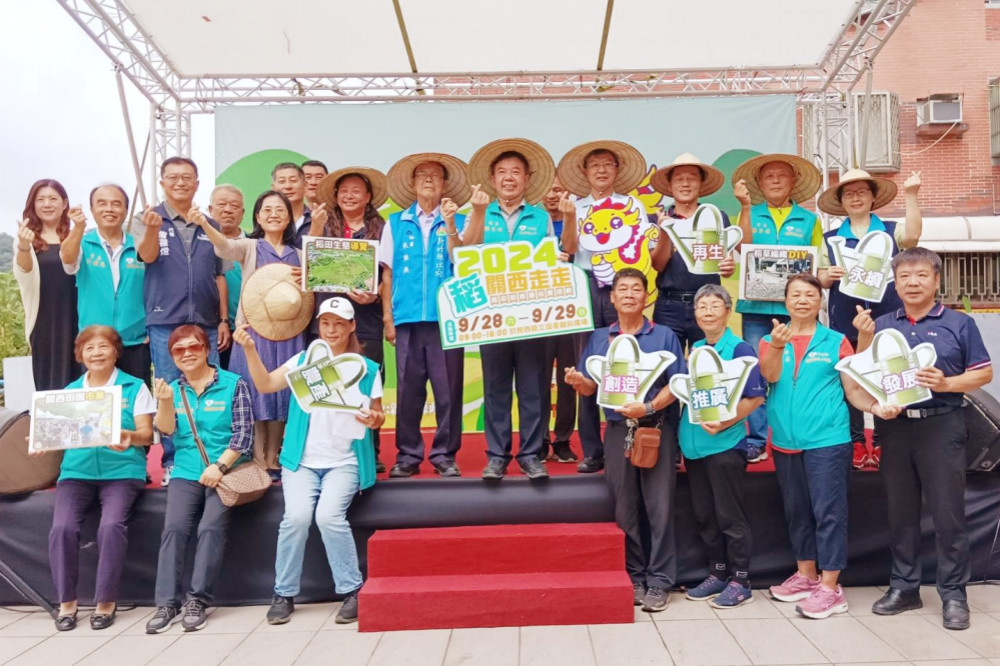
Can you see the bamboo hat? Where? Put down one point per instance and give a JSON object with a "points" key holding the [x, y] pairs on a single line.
{"points": [[712, 178], [540, 166], [631, 167], [807, 183], [325, 192], [274, 304], [456, 184], [884, 190]]}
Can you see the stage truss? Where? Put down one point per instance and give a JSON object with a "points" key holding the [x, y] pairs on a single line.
{"points": [[825, 86]]}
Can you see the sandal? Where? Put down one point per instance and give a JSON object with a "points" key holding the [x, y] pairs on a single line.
{"points": [[66, 622], [100, 621]]}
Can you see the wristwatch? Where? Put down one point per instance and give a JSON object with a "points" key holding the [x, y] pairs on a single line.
{"points": [[223, 467], [649, 409]]}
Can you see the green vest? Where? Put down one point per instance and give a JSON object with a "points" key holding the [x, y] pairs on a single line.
{"points": [[297, 428], [99, 463], [694, 441], [213, 414], [98, 302], [532, 225]]}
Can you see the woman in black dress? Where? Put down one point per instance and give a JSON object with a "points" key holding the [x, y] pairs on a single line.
{"points": [[47, 292]]}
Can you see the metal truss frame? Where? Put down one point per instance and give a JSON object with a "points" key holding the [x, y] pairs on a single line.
{"points": [[174, 97]]}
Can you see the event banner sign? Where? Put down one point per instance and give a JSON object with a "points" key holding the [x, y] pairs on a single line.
{"points": [[512, 291], [626, 373], [326, 381], [888, 368], [765, 269], [714, 387], [75, 418], [339, 264], [868, 266], [702, 240]]}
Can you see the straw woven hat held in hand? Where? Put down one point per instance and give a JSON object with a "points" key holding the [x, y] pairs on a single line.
{"points": [[884, 190], [540, 166], [274, 304], [713, 179], [806, 185], [631, 167], [326, 191], [456, 185]]}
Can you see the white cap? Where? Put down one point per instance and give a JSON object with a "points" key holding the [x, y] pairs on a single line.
{"points": [[337, 306]]}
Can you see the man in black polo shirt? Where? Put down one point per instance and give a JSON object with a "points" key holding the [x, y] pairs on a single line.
{"points": [[923, 449]]}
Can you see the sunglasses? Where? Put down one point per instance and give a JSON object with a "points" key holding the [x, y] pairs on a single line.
{"points": [[178, 350]]}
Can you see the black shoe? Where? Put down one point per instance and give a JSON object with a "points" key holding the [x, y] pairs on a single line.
{"points": [[100, 621], [447, 468], [275, 475], [281, 610], [656, 599], [66, 622], [379, 467], [403, 470], [162, 619], [563, 453], [533, 468], [896, 601], [495, 469], [348, 610], [194, 614], [590, 465], [638, 593], [955, 614]]}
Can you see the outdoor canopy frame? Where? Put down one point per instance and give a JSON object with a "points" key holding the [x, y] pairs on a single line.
{"points": [[174, 97]]}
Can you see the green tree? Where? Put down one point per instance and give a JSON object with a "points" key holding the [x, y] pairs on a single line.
{"points": [[12, 342], [6, 252]]}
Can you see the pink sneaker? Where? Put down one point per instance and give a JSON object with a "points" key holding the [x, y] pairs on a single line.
{"points": [[823, 603], [795, 588]]}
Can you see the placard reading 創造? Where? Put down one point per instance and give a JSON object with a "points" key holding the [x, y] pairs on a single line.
{"points": [[512, 291]]}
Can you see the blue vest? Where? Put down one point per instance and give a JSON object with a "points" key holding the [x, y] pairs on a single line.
{"points": [[99, 463], [694, 441], [796, 230], [213, 414], [842, 308], [181, 289], [98, 302], [809, 411], [417, 272], [294, 444], [532, 225]]}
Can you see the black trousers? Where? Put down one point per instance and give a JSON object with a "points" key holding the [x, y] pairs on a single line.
{"points": [[563, 351], [644, 504], [717, 500], [136, 361], [373, 349], [588, 419], [926, 458]]}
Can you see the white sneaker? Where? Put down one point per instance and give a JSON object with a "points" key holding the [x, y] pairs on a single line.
{"points": [[167, 471]]}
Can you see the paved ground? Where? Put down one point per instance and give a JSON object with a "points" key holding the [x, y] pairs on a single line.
{"points": [[687, 633]]}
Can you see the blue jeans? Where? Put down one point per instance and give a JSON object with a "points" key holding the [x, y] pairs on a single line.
{"points": [[755, 327], [814, 491], [327, 494], [164, 368]]}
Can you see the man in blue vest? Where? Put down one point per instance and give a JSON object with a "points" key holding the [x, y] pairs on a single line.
{"points": [[226, 207], [516, 180], [110, 277], [415, 253], [184, 279], [769, 189]]}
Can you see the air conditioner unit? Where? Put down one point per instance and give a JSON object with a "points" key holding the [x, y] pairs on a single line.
{"points": [[939, 110], [882, 149]]}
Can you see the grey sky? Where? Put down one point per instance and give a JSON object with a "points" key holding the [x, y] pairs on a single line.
{"points": [[61, 118]]}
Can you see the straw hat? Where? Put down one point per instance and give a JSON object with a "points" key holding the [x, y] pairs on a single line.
{"points": [[808, 183], [325, 191], [400, 178], [274, 304], [712, 181], [540, 166], [631, 167], [885, 191]]}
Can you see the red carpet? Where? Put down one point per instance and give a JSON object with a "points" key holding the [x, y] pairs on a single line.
{"points": [[538, 575]]}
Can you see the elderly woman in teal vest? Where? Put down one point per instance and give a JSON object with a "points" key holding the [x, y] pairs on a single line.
{"points": [[811, 440], [323, 466], [112, 475], [214, 406], [715, 453], [774, 185], [518, 172]]}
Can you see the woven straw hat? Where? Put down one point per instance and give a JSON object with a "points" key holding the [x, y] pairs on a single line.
{"points": [[713, 178], [808, 182], [885, 191], [274, 304], [631, 167], [540, 166], [325, 191], [400, 178]]}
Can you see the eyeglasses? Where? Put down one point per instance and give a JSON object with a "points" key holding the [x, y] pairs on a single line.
{"points": [[174, 178], [428, 175], [855, 194], [178, 350]]}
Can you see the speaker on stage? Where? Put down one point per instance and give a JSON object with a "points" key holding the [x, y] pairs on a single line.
{"points": [[982, 422], [19, 472]]}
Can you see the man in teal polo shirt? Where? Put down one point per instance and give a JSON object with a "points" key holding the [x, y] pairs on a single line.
{"points": [[769, 189], [226, 207], [109, 277], [518, 171]]}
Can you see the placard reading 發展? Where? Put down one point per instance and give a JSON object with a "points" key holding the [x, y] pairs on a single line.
{"points": [[512, 291], [339, 265], [75, 418]]}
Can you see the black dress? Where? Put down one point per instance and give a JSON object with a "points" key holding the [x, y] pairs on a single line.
{"points": [[52, 361]]}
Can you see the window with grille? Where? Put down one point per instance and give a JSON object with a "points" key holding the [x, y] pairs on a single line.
{"points": [[972, 275]]}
